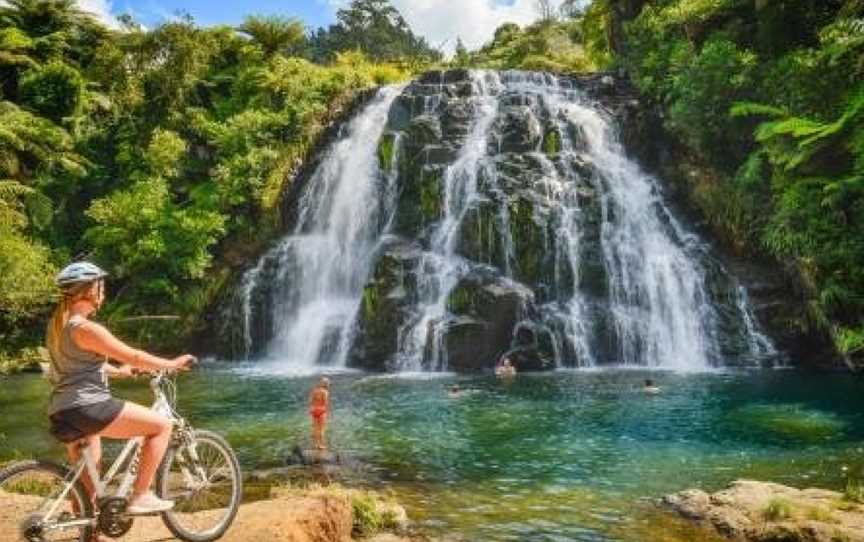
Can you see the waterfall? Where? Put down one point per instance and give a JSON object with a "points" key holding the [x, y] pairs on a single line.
{"points": [[661, 311], [440, 268], [507, 221], [321, 267]]}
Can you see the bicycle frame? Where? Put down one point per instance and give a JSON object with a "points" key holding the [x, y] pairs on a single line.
{"points": [[100, 484]]}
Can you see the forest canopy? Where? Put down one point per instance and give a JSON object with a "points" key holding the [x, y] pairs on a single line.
{"points": [[161, 154]]}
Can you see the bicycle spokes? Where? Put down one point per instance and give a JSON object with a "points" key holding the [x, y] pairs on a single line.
{"points": [[39, 505]]}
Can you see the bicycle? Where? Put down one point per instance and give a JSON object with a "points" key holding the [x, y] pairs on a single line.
{"points": [[43, 501]]}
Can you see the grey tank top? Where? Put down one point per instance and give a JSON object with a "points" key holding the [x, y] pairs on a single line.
{"points": [[78, 376]]}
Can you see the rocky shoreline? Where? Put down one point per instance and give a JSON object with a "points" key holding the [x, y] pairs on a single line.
{"points": [[314, 514], [766, 512]]}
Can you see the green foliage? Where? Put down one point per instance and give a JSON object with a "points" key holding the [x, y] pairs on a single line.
{"points": [[371, 514], [160, 154], [461, 58], [777, 510], [549, 46], [850, 341], [29, 143], [275, 34], [54, 91], [818, 175], [375, 28], [145, 234], [854, 491], [702, 90], [769, 95], [28, 278], [595, 35]]}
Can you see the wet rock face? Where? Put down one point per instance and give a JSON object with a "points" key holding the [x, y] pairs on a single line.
{"points": [[386, 304], [525, 236], [509, 231], [507, 237], [519, 129]]}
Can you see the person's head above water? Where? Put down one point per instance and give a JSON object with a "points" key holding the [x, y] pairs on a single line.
{"points": [[649, 383], [507, 362], [324, 382]]}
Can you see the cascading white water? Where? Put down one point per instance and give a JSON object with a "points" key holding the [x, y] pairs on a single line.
{"points": [[440, 268], [758, 344], [658, 301], [620, 279], [661, 313], [322, 266]]}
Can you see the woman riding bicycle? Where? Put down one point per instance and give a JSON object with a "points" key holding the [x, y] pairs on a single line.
{"points": [[82, 408]]}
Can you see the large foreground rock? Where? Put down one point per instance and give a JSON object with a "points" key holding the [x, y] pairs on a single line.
{"points": [[291, 517], [763, 512]]}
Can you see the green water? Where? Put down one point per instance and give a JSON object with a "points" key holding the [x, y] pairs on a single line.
{"points": [[562, 456]]}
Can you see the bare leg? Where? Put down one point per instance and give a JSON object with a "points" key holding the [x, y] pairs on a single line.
{"points": [[94, 448], [323, 431], [315, 432], [136, 421]]}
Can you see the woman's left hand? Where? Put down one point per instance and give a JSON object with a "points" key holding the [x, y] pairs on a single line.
{"points": [[123, 371]]}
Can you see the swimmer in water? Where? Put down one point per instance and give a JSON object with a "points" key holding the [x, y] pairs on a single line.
{"points": [[650, 388]]}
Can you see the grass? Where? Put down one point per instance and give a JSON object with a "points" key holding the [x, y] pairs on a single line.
{"points": [[854, 491], [777, 510], [820, 513], [371, 511], [29, 486]]}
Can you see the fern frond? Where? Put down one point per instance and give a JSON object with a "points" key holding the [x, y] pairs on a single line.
{"points": [[751, 109]]}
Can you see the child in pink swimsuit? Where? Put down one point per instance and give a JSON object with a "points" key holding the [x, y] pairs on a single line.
{"points": [[319, 404]]}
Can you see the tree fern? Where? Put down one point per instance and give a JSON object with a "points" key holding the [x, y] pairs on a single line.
{"points": [[12, 195]]}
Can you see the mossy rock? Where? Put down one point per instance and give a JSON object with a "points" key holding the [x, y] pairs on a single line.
{"points": [[486, 309], [386, 151], [423, 130], [401, 111], [420, 199], [480, 235], [386, 297], [456, 120], [431, 194], [528, 230], [519, 130], [552, 142]]}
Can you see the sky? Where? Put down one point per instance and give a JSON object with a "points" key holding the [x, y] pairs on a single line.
{"points": [[439, 21]]}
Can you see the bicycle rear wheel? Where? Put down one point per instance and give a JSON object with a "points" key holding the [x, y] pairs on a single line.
{"points": [[28, 489], [204, 481]]}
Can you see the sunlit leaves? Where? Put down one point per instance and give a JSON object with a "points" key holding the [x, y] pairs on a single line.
{"points": [[54, 91], [28, 274], [275, 34]]}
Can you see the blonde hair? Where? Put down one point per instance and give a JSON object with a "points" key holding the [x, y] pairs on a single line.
{"points": [[58, 321]]}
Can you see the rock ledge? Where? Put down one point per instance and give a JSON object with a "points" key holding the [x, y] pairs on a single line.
{"points": [[762, 511]]}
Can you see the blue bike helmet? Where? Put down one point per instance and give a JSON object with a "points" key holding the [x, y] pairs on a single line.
{"points": [[79, 273]]}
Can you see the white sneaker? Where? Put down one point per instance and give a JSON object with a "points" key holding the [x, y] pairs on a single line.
{"points": [[148, 503]]}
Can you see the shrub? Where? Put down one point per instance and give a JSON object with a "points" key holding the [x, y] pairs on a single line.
{"points": [[777, 510], [54, 90]]}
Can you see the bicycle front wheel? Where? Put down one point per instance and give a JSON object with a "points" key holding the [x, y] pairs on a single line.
{"points": [[204, 481], [31, 509]]}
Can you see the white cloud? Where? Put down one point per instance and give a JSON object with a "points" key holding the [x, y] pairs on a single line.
{"points": [[475, 21], [102, 10]]}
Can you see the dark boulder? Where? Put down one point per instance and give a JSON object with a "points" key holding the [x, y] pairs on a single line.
{"points": [[386, 299], [519, 130], [485, 309]]}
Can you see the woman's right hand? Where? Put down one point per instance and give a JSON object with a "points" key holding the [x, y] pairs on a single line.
{"points": [[183, 363]]}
